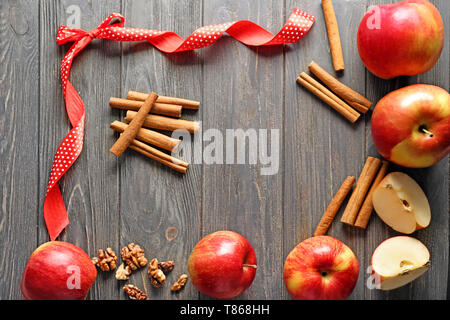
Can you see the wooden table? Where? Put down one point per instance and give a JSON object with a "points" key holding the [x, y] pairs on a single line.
{"points": [[112, 202]]}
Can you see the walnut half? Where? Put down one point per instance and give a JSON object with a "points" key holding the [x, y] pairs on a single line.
{"points": [[134, 256], [123, 272], [156, 275], [134, 292], [177, 286], [105, 260], [166, 266]]}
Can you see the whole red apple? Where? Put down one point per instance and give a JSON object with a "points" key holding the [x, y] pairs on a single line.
{"points": [[222, 265], [411, 125], [321, 268], [58, 270], [404, 38]]}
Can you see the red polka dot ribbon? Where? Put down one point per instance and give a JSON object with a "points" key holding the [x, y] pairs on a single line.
{"points": [[247, 32]]}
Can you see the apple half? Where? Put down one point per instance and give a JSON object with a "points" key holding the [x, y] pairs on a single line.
{"points": [[399, 260], [401, 203]]}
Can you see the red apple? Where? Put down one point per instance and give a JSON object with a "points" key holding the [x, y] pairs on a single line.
{"points": [[321, 268], [411, 125], [58, 270], [222, 265], [404, 38]]}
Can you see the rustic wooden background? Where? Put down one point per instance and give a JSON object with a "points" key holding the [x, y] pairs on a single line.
{"points": [[114, 201]]}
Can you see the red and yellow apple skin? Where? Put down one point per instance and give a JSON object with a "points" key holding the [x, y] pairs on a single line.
{"points": [[404, 38], [49, 269], [411, 125], [321, 268], [222, 265]]}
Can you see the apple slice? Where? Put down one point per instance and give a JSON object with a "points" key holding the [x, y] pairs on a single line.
{"points": [[401, 203], [398, 261]]}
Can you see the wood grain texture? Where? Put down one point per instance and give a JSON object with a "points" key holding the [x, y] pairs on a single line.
{"points": [[90, 187], [160, 208], [321, 147], [19, 153], [112, 202], [234, 78]]}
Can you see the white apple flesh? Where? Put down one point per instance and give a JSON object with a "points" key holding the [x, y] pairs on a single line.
{"points": [[401, 203], [398, 261]]}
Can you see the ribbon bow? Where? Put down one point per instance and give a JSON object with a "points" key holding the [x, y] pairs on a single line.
{"points": [[247, 32], [68, 34]]}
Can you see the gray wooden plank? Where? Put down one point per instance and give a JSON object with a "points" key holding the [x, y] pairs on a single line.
{"points": [[19, 154], [90, 187], [243, 89], [321, 147], [161, 209], [168, 213], [348, 145], [433, 180]]}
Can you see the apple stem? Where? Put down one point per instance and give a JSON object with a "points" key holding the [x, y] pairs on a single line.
{"points": [[424, 130], [250, 265]]}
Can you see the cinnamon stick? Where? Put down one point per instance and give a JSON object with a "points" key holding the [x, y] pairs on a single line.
{"points": [[164, 123], [161, 157], [334, 206], [352, 97], [171, 165], [171, 110], [149, 136], [333, 35], [351, 114], [131, 131], [159, 154], [362, 185], [367, 207], [328, 97], [187, 104]]}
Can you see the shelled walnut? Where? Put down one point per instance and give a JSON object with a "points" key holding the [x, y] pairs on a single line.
{"points": [[156, 275], [123, 272], [166, 266], [134, 292], [105, 260], [180, 283], [134, 256]]}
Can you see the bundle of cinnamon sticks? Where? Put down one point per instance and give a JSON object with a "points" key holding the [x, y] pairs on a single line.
{"points": [[340, 97], [151, 111], [359, 207]]}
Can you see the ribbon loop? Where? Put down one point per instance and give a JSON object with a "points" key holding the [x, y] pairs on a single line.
{"points": [[111, 17], [68, 34]]}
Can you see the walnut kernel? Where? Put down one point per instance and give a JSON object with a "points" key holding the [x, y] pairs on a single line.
{"points": [[166, 266], [156, 275], [123, 272], [134, 292], [134, 256], [180, 283], [105, 260]]}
